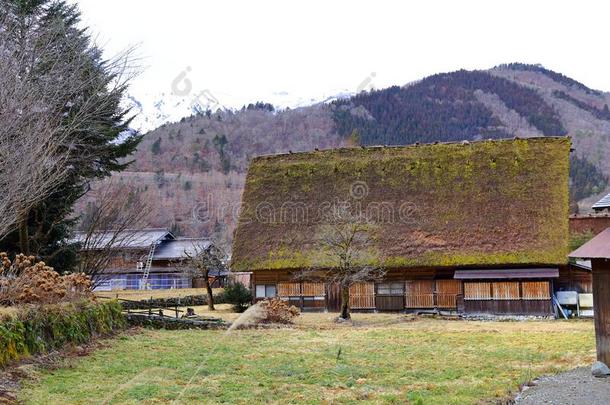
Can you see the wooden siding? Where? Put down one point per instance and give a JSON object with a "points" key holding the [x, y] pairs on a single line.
{"points": [[286, 289], [601, 303], [313, 289], [477, 291], [572, 278], [447, 292], [509, 307], [505, 290], [421, 291], [419, 294], [362, 296], [536, 290], [333, 297]]}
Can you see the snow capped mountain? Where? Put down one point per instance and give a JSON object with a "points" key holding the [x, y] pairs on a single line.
{"points": [[154, 110]]}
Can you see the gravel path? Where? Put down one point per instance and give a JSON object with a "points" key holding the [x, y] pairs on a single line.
{"points": [[576, 387]]}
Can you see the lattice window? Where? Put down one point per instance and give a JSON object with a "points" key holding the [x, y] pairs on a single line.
{"points": [[536, 290], [506, 290], [477, 291], [419, 294], [313, 289], [286, 289], [362, 295]]}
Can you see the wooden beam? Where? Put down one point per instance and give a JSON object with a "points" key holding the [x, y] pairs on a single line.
{"points": [[601, 307]]}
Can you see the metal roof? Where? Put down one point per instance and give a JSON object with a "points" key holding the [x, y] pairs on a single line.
{"points": [[596, 248], [178, 248], [603, 203], [506, 273], [128, 239]]}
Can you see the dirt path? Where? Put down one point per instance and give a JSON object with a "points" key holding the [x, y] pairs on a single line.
{"points": [[576, 387]]}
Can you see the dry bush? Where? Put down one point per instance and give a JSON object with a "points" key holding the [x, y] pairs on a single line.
{"points": [[264, 312], [26, 281], [278, 311]]}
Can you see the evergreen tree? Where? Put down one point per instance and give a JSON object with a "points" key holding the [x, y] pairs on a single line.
{"points": [[96, 149]]}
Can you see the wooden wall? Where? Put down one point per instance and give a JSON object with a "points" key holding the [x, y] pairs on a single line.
{"points": [[525, 297], [594, 223], [421, 289], [572, 278], [601, 303], [509, 307]]}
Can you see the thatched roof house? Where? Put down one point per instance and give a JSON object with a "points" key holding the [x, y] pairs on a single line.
{"points": [[486, 204]]}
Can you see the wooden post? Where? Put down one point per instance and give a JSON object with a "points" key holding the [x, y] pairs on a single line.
{"points": [[601, 308]]}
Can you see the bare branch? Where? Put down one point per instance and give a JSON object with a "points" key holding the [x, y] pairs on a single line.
{"points": [[110, 222]]}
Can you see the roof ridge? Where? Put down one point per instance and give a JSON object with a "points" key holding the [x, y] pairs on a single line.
{"points": [[412, 145]]}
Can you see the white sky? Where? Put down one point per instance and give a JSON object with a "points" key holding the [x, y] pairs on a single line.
{"points": [[245, 50]]}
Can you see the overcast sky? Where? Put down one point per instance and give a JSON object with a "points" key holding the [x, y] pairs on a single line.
{"points": [[246, 50]]}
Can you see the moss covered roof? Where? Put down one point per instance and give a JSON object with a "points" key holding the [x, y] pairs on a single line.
{"points": [[485, 203]]}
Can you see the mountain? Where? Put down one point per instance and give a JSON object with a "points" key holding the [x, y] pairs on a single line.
{"points": [[153, 110], [192, 171]]}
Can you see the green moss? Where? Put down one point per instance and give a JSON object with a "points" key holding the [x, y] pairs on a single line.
{"points": [[489, 202]]}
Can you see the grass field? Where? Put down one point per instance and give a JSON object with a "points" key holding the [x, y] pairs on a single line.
{"points": [[381, 359]]}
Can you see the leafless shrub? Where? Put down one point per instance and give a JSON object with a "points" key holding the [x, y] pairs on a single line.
{"points": [[344, 241], [25, 281], [205, 259]]}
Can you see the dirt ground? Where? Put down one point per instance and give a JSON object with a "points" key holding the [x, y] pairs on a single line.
{"points": [[576, 386]]}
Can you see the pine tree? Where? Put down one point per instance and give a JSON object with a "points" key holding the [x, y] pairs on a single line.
{"points": [[96, 149]]}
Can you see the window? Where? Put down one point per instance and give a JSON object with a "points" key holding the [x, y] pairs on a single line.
{"points": [[390, 288], [477, 291], [265, 290], [536, 290], [506, 290]]}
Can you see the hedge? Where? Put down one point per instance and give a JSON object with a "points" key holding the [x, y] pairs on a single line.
{"points": [[40, 329]]}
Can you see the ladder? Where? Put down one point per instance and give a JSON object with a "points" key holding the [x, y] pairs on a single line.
{"points": [[144, 285]]}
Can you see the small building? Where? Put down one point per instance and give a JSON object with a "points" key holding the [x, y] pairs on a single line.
{"points": [[145, 259], [473, 227], [603, 204]]}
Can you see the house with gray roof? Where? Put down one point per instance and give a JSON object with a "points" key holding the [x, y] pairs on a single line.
{"points": [[603, 204], [144, 259]]}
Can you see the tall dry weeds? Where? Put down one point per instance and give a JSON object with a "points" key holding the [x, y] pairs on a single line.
{"points": [[251, 316], [274, 310]]}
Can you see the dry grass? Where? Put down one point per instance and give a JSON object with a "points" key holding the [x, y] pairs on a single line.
{"points": [[381, 358], [8, 310], [145, 294]]}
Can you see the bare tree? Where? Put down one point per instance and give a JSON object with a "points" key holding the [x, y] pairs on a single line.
{"points": [[345, 239], [206, 259], [109, 222], [49, 90]]}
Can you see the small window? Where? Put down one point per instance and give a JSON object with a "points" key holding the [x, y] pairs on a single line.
{"points": [[390, 289], [265, 290]]}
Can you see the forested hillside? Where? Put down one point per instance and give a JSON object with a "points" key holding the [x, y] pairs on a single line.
{"points": [[192, 172]]}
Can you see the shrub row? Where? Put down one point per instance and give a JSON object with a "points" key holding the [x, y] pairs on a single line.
{"points": [[40, 329], [189, 300]]}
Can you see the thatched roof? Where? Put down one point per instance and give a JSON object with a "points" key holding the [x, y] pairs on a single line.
{"points": [[485, 203]]}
